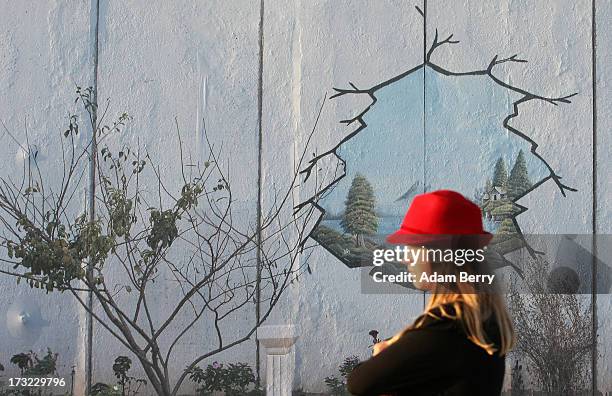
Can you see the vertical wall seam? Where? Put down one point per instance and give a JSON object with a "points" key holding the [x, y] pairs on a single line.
{"points": [[91, 203], [424, 91], [424, 108], [259, 182], [594, 192]]}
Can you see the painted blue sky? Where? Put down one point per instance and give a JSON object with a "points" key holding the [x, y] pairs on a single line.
{"points": [[464, 138]]}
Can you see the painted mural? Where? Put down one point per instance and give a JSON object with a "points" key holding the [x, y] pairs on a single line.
{"points": [[426, 129]]}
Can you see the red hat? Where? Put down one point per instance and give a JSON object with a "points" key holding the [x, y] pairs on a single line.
{"points": [[438, 216]]}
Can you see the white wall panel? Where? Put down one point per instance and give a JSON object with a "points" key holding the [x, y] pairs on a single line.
{"points": [[45, 52]]}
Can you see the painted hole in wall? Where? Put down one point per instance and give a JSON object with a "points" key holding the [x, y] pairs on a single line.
{"points": [[433, 128]]}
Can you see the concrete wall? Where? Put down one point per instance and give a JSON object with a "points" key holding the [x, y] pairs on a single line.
{"points": [[201, 60]]}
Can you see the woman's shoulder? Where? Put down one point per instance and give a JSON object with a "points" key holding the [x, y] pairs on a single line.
{"points": [[440, 316], [446, 317]]}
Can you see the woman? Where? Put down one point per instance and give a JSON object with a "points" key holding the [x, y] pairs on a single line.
{"points": [[458, 345]]}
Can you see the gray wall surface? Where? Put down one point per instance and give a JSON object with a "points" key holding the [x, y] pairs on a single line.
{"points": [[191, 61]]}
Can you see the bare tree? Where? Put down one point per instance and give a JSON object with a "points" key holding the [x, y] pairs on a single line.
{"points": [[553, 332], [143, 231]]}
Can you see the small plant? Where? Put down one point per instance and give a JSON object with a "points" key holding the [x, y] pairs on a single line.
{"points": [[22, 361], [518, 386], [121, 367], [234, 380], [30, 364], [1, 382], [337, 386], [126, 385], [101, 389]]}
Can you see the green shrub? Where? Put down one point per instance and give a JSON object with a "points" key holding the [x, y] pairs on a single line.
{"points": [[337, 386], [30, 364], [235, 379]]}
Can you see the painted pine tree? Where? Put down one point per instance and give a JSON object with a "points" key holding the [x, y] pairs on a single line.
{"points": [[500, 174], [519, 181], [360, 217]]}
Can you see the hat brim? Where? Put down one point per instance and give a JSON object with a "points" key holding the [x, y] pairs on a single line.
{"points": [[405, 237]]}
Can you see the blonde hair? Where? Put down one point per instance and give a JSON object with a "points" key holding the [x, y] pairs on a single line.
{"points": [[471, 304]]}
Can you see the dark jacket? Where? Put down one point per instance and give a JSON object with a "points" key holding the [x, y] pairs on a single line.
{"points": [[436, 359]]}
